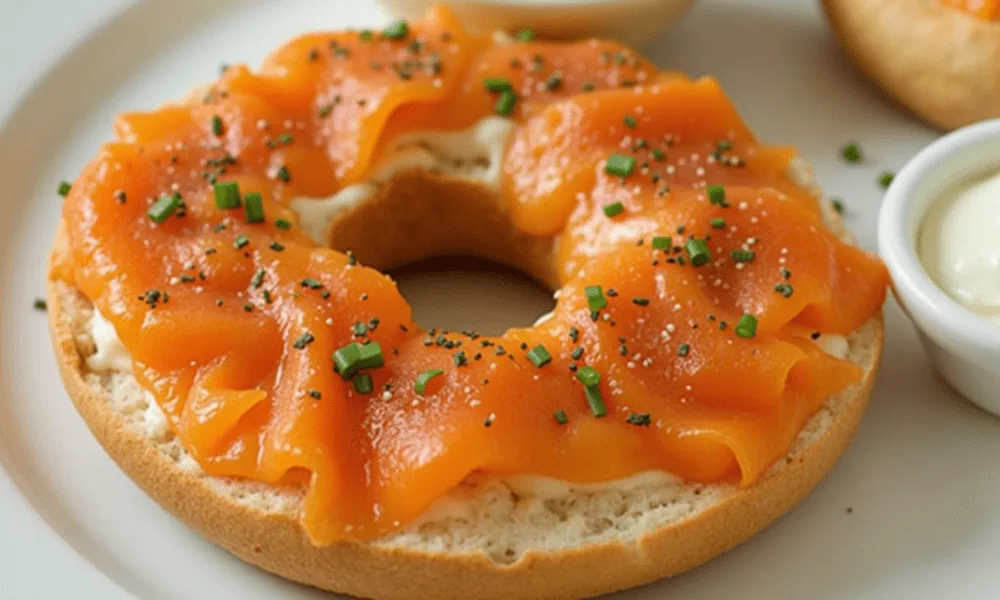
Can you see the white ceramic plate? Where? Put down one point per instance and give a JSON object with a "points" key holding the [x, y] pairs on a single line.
{"points": [[911, 511]]}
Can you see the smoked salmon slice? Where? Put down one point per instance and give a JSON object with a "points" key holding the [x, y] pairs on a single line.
{"points": [[695, 276]]}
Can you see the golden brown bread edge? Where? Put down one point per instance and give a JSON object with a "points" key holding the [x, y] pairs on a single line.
{"points": [[938, 61], [276, 542]]}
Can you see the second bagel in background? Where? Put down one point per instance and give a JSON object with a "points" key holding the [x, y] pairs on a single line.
{"points": [[938, 58]]}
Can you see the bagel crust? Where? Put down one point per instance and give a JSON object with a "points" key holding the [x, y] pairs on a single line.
{"points": [[938, 61], [414, 565]]}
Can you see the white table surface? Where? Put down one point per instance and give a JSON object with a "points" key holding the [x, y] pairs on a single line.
{"points": [[946, 506]]}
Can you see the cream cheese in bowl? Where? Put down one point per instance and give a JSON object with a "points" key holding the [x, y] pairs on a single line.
{"points": [[939, 235], [959, 245]]}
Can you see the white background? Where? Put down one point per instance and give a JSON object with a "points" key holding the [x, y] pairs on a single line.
{"points": [[921, 478]]}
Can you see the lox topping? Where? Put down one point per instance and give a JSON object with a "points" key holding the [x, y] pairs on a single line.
{"points": [[987, 10], [694, 274]]}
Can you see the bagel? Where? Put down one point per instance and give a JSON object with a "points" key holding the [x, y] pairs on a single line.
{"points": [[937, 60], [510, 526]]}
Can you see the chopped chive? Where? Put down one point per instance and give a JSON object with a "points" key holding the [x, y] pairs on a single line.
{"points": [[698, 252], [619, 165], [258, 278], [851, 153], [539, 356], [595, 297], [639, 419], [630, 121], [283, 224], [657, 154], [285, 139], [496, 84], [613, 209], [276, 246], [349, 359], [588, 376], [718, 223], [885, 179], [363, 383], [460, 359], [64, 188], [217, 127], [41, 304], [640, 301], [838, 205], [683, 350], [241, 242], [253, 207], [396, 31], [311, 284], [267, 296], [724, 145], [365, 35], [785, 289], [303, 340], [595, 401], [747, 326], [560, 417], [662, 242], [420, 385], [227, 195], [742, 256], [315, 394], [525, 34], [283, 174], [164, 207], [505, 103], [716, 194]]}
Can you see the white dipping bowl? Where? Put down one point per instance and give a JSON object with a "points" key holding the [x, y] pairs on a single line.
{"points": [[634, 22], [964, 347]]}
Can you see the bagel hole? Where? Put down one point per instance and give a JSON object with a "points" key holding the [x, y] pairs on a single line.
{"points": [[462, 293]]}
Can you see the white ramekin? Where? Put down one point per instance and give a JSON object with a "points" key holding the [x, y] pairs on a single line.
{"points": [[964, 347], [634, 22]]}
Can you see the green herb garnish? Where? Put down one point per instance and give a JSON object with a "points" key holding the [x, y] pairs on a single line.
{"points": [[639, 419], [496, 84], [351, 358], [595, 297], [227, 195], [698, 252], [505, 103], [420, 385], [164, 207], [851, 153], [396, 31], [613, 209], [253, 207], [747, 326], [363, 383], [619, 165], [539, 356]]}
